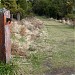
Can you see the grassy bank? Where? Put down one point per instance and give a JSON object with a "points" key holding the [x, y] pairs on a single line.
{"points": [[57, 43], [51, 53]]}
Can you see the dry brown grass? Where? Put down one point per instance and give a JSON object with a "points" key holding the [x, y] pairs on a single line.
{"points": [[23, 33]]}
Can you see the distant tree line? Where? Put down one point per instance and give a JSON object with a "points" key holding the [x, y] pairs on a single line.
{"points": [[54, 8], [17, 6], [50, 8]]}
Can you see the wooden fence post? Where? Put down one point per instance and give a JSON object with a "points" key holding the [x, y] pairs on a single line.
{"points": [[2, 39], [4, 49]]}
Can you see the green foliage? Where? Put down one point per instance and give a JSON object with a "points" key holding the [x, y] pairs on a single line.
{"points": [[49, 8], [23, 4], [8, 69], [0, 3], [29, 7], [70, 16], [39, 7], [11, 5], [17, 6], [53, 8]]}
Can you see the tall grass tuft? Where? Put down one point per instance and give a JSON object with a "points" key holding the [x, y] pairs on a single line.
{"points": [[8, 69]]}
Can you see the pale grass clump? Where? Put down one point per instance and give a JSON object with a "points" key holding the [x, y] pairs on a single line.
{"points": [[24, 34], [16, 27], [23, 31]]}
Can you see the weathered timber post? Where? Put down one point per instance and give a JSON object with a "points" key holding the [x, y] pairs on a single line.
{"points": [[5, 53], [2, 38], [18, 16]]}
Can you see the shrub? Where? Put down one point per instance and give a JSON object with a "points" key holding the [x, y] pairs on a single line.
{"points": [[8, 69], [70, 16]]}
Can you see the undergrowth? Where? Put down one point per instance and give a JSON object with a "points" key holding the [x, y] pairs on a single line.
{"points": [[8, 69]]}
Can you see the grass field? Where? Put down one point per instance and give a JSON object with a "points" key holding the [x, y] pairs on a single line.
{"points": [[53, 53], [61, 38], [57, 47]]}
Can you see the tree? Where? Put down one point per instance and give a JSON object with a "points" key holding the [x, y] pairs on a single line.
{"points": [[0, 3], [23, 4], [10, 5], [53, 8], [26, 6], [39, 6]]}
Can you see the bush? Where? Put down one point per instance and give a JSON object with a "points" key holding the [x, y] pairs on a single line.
{"points": [[70, 16], [7, 69]]}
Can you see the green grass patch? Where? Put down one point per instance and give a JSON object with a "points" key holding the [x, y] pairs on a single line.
{"points": [[62, 38], [8, 69]]}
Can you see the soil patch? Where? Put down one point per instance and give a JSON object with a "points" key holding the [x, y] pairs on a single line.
{"points": [[61, 71]]}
